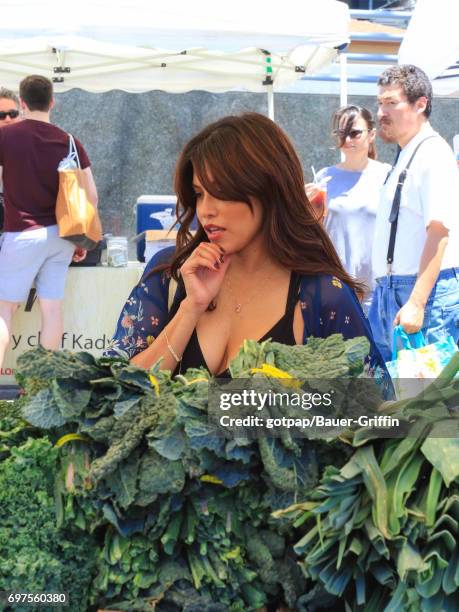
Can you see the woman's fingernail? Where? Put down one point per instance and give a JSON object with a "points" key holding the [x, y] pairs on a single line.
{"points": [[222, 249], [221, 258], [217, 264]]}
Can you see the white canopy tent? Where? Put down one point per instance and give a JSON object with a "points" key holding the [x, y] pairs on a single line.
{"points": [[137, 46], [432, 43]]}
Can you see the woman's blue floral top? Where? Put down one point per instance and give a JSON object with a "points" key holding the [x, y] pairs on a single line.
{"points": [[328, 306]]}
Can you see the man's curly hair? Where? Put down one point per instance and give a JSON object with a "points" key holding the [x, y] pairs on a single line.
{"points": [[413, 81]]}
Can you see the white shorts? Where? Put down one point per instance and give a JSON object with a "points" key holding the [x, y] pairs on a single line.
{"points": [[35, 256]]}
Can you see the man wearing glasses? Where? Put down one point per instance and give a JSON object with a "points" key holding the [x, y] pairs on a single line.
{"points": [[416, 244], [9, 113]]}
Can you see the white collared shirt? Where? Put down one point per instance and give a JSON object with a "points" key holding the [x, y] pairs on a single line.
{"points": [[430, 193]]}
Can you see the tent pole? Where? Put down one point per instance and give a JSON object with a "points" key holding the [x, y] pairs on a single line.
{"points": [[343, 79], [343, 84], [271, 102]]}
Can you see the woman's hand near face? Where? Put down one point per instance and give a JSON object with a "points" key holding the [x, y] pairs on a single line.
{"points": [[203, 274]]}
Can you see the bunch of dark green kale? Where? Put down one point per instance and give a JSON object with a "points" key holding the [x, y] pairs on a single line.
{"points": [[37, 553], [115, 485], [178, 515]]}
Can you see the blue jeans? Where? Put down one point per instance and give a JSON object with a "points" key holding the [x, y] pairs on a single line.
{"points": [[441, 317]]}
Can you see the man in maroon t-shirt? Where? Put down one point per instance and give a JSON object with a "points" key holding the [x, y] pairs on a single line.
{"points": [[31, 249]]}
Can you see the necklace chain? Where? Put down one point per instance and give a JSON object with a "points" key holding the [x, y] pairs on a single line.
{"points": [[239, 305]]}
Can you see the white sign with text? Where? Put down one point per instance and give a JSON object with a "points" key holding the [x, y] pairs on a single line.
{"points": [[93, 300]]}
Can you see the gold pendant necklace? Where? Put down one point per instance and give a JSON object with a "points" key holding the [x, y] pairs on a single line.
{"points": [[237, 304]]}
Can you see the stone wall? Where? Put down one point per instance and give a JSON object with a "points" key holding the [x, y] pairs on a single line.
{"points": [[133, 140]]}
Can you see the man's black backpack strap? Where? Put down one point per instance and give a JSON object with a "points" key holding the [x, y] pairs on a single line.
{"points": [[395, 209]]}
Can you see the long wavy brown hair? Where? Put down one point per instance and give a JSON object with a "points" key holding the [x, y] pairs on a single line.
{"points": [[249, 156]]}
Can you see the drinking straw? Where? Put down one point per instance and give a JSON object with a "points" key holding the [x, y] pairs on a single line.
{"points": [[322, 181]]}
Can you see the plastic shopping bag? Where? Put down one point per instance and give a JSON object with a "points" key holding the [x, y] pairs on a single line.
{"points": [[417, 360]]}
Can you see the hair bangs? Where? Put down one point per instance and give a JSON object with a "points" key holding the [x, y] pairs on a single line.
{"points": [[343, 122], [217, 169]]}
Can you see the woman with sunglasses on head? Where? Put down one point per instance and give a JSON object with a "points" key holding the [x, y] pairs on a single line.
{"points": [[259, 265], [353, 191]]}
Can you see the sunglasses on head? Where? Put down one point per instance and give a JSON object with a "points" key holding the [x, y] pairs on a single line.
{"points": [[11, 113], [352, 133]]}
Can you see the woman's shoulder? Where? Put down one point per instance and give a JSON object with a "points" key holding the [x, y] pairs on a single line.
{"points": [[323, 280], [326, 290], [160, 258], [156, 274], [324, 172], [375, 163], [378, 167]]}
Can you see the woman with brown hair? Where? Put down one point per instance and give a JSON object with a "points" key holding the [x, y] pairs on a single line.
{"points": [[353, 193], [259, 265]]}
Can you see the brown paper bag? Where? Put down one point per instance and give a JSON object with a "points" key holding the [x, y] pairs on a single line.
{"points": [[77, 217]]}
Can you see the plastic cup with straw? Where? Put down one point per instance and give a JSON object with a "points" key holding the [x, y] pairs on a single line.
{"points": [[317, 195]]}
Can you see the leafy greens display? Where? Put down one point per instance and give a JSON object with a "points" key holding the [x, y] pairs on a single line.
{"points": [[164, 512]]}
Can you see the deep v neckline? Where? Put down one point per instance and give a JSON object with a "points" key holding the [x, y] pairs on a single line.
{"points": [[281, 331]]}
